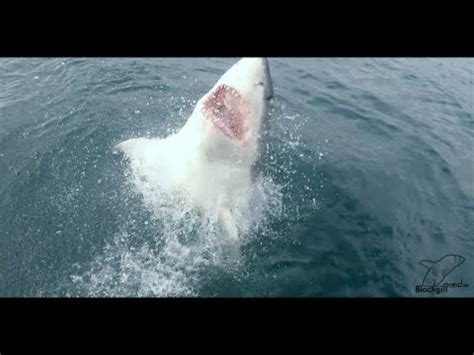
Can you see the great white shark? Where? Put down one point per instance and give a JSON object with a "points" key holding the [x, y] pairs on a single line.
{"points": [[214, 158]]}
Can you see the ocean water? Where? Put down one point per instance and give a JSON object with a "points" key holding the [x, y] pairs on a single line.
{"points": [[368, 172]]}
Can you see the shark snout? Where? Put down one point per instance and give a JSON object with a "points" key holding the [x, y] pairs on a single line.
{"points": [[248, 76], [261, 72]]}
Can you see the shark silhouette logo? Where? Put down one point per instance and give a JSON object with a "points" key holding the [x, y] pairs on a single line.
{"points": [[438, 270]]}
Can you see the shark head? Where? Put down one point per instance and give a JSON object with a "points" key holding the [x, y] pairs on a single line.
{"points": [[227, 120]]}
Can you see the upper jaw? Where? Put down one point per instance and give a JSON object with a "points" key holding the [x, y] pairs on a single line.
{"points": [[247, 75]]}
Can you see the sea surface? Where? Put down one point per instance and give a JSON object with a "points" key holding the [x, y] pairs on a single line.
{"points": [[368, 181]]}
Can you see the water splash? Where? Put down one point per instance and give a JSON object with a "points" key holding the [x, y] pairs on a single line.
{"points": [[187, 244]]}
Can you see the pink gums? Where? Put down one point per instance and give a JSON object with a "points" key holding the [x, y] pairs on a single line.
{"points": [[227, 111]]}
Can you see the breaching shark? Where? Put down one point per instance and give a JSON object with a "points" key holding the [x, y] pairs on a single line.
{"points": [[214, 158]]}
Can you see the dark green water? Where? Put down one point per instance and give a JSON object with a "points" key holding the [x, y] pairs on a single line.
{"points": [[371, 163]]}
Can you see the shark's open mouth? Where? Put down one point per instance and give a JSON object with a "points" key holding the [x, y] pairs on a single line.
{"points": [[227, 111]]}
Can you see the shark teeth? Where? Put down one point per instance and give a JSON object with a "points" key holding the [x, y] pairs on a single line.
{"points": [[226, 89], [228, 112]]}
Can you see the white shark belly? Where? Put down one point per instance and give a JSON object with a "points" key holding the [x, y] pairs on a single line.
{"points": [[218, 188]]}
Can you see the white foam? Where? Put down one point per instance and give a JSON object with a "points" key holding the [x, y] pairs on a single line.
{"points": [[187, 240]]}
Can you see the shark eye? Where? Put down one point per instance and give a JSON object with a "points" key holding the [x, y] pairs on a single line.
{"points": [[260, 83]]}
